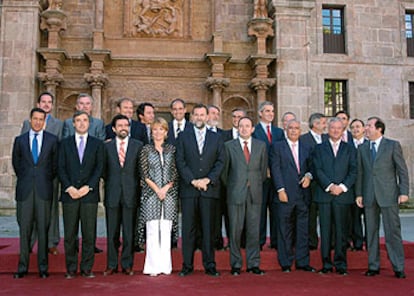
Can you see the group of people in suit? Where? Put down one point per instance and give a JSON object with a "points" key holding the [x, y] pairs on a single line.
{"points": [[241, 174]]}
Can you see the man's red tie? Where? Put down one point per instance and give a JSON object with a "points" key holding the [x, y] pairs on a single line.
{"points": [[246, 152], [121, 153], [269, 134]]}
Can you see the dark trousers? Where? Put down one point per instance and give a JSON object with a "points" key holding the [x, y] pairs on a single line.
{"points": [[313, 225], [268, 203], [31, 211], [116, 218], [191, 209], [293, 234], [221, 212], [357, 235], [85, 213], [245, 215], [338, 214]]}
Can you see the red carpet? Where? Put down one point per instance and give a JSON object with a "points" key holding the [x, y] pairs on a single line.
{"points": [[273, 282]]}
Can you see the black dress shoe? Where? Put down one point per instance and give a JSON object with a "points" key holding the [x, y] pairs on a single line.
{"points": [[87, 274], [399, 274], [127, 271], [325, 270], [19, 275], [342, 271], [139, 249], [97, 250], [286, 269], [235, 271], [110, 271], [185, 271], [312, 248], [44, 274], [255, 270], [212, 272], [371, 272], [306, 268], [70, 275]]}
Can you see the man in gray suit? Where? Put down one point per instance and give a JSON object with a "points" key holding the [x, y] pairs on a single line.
{"points": [[84, 102], [54, 126], [382, 185], [244, 173]]}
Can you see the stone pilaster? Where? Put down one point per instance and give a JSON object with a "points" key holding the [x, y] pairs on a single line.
{"points": [[97, 79], [261, 82]]}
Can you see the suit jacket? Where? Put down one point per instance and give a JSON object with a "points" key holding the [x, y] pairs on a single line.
{"points": [[96, 128], [122, 183], [227, 135], [260, 134], [171, 135], [385, 178], [37, 177], [137, 131], [53, 126], [74, 173], [329, 169], [191, 165], [237, 174], [309, 140], [285, 174]]}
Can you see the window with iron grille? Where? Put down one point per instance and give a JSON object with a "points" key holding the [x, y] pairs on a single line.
{"points": [[333, 29], [409, 19], [411, 93], [335, 97]]}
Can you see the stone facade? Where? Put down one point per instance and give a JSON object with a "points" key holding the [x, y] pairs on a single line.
{"points": [[225, 52]]}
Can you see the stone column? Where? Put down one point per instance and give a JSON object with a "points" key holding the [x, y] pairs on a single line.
{"points": [[98, 33], [97, 79], [53, 20], [19, 39], [261, 28], [217, 82], [52, 77]]}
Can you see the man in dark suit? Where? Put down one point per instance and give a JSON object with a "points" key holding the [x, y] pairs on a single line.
{"points": [[54, 126], [121, 175], [146, 116], [346, 134], [316, 134], [356, 230], [335, 170], [179, 123], [81, 158], [381, 186], [125, 106], [244, 172], [34, 160], [84, 103], [290, 165], [200, 160], [270, 134], [233, 133]]}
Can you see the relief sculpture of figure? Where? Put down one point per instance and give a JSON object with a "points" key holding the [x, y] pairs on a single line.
{"points": [[55, 4], [260, 9]]}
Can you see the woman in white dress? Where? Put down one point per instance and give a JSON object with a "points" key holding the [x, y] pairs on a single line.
{"points": [[159, 198]]}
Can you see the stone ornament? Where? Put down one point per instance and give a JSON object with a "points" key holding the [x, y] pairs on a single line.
{"points": [[260, 9]]}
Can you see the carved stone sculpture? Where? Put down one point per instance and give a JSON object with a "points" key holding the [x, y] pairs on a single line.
{"points": [[260, 9], [55, 4]]}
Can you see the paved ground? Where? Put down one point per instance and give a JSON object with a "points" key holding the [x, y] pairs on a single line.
{"points": [[9, 228]]}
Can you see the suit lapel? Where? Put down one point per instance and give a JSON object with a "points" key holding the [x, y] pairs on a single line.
{"points": [[75, 149], [239, 152], [113, 152], [381, 148], [263, 133], [27, 148]]}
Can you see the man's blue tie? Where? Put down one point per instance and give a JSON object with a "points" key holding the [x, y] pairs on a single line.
{"points": [[35, 149], [373, 150]]}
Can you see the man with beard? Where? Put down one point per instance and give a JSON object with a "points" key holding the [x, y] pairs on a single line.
{"points": [[121, 175], [200, 160]]}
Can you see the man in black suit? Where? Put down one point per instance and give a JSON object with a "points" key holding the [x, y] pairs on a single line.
{"points": [[179, 123], [290, 166], [54, 126], [356, 230], [146, 116], [233, 133], [125, 106], [382, 185], [244, 173], [316, 134], [121, 175], [200, 160], [286, 117], [270, 134], [335, 170], [34, 160], [81, 159]]}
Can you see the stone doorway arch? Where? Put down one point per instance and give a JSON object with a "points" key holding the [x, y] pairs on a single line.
{"points": [[235, 101]]}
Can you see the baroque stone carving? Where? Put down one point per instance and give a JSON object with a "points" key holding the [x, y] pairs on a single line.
{"points": [[155, 18], [260, 9]]}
